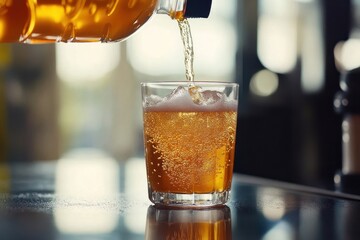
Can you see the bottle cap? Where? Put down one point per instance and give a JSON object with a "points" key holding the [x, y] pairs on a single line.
{"points": [[198, 8]]}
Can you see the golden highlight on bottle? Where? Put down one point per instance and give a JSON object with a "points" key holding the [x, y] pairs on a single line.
{"points": [[34, 21], [190, 151]]}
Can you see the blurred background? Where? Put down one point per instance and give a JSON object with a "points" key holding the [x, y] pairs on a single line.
{"points": [[285, 54]]}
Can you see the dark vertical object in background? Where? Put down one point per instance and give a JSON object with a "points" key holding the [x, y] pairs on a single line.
{"points": [[5, 59], [264, 129], [337, 24], [31, 104], [247, 61], [347, 103], [271, 138], [264, 140]]}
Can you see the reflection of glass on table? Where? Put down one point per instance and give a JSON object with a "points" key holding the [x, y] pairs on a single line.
{"points": [[211, 224]]}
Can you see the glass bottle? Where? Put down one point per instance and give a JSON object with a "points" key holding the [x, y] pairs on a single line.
{"points": [[347, 103], [39, 21]]}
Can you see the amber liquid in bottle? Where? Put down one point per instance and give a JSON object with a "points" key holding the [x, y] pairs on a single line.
{"points": [[36, 21]]}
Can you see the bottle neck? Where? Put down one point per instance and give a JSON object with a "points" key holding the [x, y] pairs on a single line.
{"points": [[174, 8]]}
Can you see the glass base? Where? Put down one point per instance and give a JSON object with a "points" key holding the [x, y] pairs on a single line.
{"points": [[193, 200]]}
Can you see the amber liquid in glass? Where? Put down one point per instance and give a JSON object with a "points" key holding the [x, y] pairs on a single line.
{"points": [[189, 152], [35, 21]]}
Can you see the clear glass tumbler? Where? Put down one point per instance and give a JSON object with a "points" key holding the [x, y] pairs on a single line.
{"points": [[189, 135]]}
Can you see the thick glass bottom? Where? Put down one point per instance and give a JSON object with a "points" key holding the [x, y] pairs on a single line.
{"points": [[193, 200]]}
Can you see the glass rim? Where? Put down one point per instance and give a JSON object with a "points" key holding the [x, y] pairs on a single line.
{"points": [[186, 83]]}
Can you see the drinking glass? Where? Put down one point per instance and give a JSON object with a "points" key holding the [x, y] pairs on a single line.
{"points": [[189, 136]]}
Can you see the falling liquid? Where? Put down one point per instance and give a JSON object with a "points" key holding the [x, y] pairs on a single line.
{"points": [[188, 50], [189, 60]]}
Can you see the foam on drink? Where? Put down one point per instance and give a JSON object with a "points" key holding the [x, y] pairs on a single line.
{"points": [[181, 101]]}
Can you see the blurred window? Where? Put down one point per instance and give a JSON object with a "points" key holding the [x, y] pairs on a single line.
{"points": [[82, 62], [277, 33]]}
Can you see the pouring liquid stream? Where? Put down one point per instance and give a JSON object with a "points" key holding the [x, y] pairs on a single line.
{"points": [[189, 60]]}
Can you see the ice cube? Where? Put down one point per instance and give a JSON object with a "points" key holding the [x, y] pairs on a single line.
{"points": [[177, 99], [176, 93], [206, 97], [152, 100], [211, 97]]}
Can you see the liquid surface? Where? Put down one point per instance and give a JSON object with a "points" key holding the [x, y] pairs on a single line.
{"points": [[72, 20], [189, 152]]}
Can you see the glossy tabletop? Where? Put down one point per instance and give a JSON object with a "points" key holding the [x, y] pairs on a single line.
{"points": [[104, 199]]}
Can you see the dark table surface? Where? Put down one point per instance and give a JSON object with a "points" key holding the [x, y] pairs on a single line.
{"points": [[99, 198]]}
